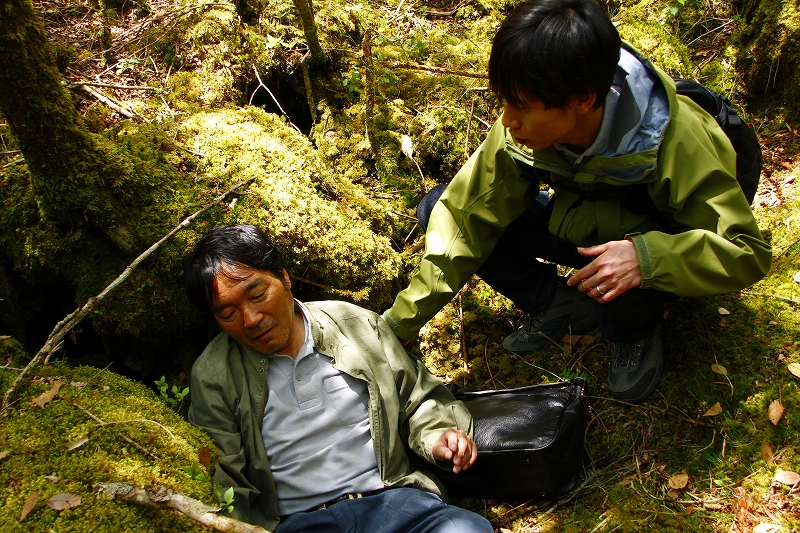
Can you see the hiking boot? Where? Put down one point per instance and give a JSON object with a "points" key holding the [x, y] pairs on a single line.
{"points": [[636, 368], [571, 312]]}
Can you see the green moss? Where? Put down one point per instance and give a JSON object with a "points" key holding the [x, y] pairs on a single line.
{"points": [[38, 459]]}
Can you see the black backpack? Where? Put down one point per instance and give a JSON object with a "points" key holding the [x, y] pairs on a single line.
{"points": [[741, 135]]}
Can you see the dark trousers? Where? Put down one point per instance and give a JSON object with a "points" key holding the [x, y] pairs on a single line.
{"points": [[512, 269]]}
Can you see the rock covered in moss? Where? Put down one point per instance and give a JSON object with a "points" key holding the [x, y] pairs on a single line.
{"points": [[58, 448]]}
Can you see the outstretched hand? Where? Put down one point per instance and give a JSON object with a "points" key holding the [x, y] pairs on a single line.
{"points": [[615, 271], [456, 446]]}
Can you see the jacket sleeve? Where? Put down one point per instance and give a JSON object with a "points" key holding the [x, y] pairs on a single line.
{"points": [[485, 196], [724, 250], [213, 411], [427, 407]]}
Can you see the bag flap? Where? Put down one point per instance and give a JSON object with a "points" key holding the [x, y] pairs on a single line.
{"points": [[527, 418]]}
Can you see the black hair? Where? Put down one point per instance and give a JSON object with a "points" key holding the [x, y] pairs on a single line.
{"points": [[554, 50], [242, 244]]}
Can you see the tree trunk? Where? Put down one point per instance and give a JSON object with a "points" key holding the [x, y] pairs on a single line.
{"points": [[306, 11], [66, 162]]}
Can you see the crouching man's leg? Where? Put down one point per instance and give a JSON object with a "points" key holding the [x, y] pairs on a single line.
{"points": [[402, 510], [633, 323]]}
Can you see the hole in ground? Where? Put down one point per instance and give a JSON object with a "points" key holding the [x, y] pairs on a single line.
{"points": [[291, 100]]}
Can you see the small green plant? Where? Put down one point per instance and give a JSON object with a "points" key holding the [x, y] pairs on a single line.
{"points": [[195, 473], [353, 83], [227, 500], [172, 397], [415, 48], [671, 12]]}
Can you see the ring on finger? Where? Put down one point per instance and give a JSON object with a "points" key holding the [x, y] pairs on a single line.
{"points": [[597, 288]]}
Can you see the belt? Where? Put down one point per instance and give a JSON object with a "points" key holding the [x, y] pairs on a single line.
{"points": [[343, 497]]}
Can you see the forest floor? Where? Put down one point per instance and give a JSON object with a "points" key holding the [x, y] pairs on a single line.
{"points": [[715, 449]]}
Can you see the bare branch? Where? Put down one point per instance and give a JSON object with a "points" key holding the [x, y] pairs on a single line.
{"points": [[163, 498], [260, 85]]}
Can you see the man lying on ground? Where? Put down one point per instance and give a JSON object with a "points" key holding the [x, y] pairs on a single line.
{"points": [[315, 406]]}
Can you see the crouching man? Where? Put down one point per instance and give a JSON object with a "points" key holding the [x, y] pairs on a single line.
{"points": [[315, 407]]}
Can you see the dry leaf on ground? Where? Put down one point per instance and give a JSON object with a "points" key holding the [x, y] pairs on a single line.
{"points": [[30, 503], [794, 368], [4, 453], [77, 443], [44, 398], [766, 453], [775, 412], [766, 528], [714, 410], [796, 277], [719, 369], [678, 481], [63, 500], [723, 311], [787, 477], [204, 456]]}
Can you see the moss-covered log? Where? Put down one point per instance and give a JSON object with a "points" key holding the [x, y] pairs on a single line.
{"points": [[66, 163]]}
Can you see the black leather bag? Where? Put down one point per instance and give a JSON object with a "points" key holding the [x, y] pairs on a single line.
{"points": [[530, 442]]}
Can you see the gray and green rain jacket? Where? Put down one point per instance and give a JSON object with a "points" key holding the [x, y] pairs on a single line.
{"points": [[650, 137], [409, 408]]}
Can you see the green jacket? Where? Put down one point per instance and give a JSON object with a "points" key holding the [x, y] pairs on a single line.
{"points": [[409, 408], [689, 171]]}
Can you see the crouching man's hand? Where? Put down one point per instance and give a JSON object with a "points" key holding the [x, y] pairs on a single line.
{"points": [[456, 446]]}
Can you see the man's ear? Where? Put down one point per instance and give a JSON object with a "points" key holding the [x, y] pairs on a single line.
{"points": [[583, 103], [285, 279]]}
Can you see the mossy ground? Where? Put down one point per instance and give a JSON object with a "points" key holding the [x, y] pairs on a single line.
{"points": [[343, 210], [35, 442]]}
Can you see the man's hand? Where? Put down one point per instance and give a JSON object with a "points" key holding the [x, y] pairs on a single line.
{"points": [[615, 271], [455, 445]]}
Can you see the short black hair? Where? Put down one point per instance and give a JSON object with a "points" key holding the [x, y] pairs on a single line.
{"points": [[554, 50], [230, 245]]}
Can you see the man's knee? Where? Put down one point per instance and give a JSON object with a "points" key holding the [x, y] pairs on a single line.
{"points": [[459, 520], [426, 205]]}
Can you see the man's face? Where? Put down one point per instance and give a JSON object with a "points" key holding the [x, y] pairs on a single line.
{"points": [[538, 128], [256, 308]]}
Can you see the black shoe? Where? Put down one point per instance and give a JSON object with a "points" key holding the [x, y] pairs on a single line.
{"points": [[571, 312], [636, 368]]}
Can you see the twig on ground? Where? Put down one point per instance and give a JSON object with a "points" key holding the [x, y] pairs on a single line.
{"points": [[656, 410], [66, 325], [14, 162], [163, 498], [117, 433], [109, 102], [81, 84], [440, 70], [488, 366], [449, 13], [461, 337], [466, 135], [315, 284]]}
